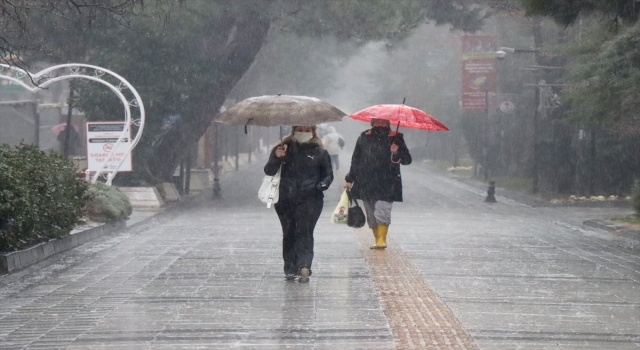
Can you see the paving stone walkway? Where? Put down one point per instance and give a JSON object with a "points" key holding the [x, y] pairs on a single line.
{"points": [[418, 318], [473, 275]]}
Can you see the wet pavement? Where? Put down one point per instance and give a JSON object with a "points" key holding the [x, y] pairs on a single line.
{"points": [[459, 273]]}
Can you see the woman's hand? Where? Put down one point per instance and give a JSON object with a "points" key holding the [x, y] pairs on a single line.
{"points": [[280, 152], [394, 148], [348, 186]]}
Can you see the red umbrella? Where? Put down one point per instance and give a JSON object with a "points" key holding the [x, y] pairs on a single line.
{"points": [[57, 129], [400, 115]]}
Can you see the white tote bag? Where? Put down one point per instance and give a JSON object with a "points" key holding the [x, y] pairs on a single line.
{"points": [[269, 191]]}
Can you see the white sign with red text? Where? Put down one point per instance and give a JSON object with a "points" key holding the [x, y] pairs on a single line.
{"points": [[101, 140]]}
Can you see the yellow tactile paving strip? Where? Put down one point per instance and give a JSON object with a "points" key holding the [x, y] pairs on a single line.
{"points": [[417, 316]]}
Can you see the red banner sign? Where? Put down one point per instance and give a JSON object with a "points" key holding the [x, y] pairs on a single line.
{"points": [[478, 70]]}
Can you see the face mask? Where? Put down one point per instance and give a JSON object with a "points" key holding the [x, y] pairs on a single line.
{"points": [[380, 130], [303, 137]]}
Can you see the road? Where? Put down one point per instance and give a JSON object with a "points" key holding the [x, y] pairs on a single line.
{"points": [[458, 274]]}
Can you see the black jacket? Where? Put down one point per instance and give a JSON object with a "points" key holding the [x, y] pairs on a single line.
{"points": [[375, 176], [306, 171]]}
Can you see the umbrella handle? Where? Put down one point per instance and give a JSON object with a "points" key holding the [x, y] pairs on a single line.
{"points": [[394, 136], [246, 125], [281, 134], [394, 140]]}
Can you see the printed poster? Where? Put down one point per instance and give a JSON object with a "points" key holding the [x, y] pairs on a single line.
{"points": [[101, 140], [478, 70]]}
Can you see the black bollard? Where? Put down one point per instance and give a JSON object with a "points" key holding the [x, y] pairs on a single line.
{"points": [[491, 193], [217, 191]]}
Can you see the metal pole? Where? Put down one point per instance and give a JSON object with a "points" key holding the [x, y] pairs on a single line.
{"points": [[216, 163], [67, 128], [226, 144], [534, 170], [181, 177], [250, 135], [187, 182], [485, 151], [592, 163], [237, 150], [36, 122]]}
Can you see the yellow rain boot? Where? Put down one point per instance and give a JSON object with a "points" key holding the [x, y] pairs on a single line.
{"points": [[381, 236], [377, 237]]}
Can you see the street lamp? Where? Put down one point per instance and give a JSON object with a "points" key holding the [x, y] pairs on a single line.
{"points": [[501, 54], [503, 51]]}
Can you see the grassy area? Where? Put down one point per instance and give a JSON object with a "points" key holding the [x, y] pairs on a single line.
{"points": [[631, 220], [464, 168], [518, 184]]}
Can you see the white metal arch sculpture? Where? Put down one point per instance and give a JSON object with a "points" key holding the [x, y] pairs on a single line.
{"points": [[40, 80]]}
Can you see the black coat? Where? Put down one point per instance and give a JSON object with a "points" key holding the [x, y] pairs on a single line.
{"points": [[306, 171], [373, 173]]}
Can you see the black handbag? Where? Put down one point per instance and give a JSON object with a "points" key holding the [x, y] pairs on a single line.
{"points": [[355, 215]]}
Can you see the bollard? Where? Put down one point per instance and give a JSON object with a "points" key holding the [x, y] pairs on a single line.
{"points": [[491, 193], [217, 191]]}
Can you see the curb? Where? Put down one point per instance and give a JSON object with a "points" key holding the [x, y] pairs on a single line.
{"points": [[13, 261], [617, 229], [18, 260]]}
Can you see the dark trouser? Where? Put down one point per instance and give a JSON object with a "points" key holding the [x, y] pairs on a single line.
{"points": [[298, 219], [335, 162]]}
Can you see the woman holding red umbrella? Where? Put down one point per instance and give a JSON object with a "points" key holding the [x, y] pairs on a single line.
{"points": [[374, 176]]}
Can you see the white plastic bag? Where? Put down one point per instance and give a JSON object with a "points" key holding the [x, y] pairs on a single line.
{"points": [[269, 191], [339, 215]]}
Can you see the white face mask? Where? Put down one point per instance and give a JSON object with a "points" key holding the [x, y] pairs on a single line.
{"points": [[303, 137]]}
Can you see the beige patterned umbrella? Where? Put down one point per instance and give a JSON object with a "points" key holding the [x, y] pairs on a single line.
{"points": [[277, 110]]}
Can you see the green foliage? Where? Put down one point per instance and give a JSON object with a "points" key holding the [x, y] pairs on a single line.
{"points": [[40, 196], [604, 79], [602, 82], [635, 197], [616, 165], [187, 63], [366, 20], [566, 12], [107, 204]]}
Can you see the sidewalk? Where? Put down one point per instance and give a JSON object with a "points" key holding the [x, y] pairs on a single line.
{"points": [[458, 273], [587, 214]]}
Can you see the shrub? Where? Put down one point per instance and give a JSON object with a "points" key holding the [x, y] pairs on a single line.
{"points": [[40, 196], [107, 204], [635, 197]]}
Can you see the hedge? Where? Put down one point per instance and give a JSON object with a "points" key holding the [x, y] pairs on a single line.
{"points": [[107, 204], [40, 196]]}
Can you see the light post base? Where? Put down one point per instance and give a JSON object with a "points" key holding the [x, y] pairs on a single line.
{"points": [[491, 193], [217, 191]]}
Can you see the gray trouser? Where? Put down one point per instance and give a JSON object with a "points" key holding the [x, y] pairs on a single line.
{"points": [[378, 212]]}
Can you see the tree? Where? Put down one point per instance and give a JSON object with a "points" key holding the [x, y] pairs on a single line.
{"points": [[604, 79], [566, 12], [602, 91], [19, 19], [604, 67], [189, 64]]}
